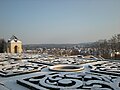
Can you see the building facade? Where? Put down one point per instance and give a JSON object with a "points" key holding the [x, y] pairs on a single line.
{"points": [[14, 45]]}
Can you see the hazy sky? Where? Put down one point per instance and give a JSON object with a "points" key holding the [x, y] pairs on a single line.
{"points": [[59, 21]]}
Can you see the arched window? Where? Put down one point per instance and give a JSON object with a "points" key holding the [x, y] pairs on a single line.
{"points": [[16, 49]]}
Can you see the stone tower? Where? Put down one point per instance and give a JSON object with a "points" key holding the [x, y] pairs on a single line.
{"points": [[14, 45]]}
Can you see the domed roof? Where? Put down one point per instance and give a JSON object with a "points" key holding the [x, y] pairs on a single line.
{"points": [[14, 39]]}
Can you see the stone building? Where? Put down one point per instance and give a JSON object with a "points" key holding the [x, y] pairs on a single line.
{"points": [[14, 45]]}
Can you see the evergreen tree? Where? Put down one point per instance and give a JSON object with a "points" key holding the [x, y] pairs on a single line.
{"points": [[2, 45]]}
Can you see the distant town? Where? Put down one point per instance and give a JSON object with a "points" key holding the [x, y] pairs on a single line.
{"points": [[108, 49]]}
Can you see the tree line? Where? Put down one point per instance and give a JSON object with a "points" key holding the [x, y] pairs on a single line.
{"points": [[3, 45], [107, 47]]}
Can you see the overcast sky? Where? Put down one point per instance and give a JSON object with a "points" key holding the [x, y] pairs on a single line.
{"points": [[59, 21]]}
